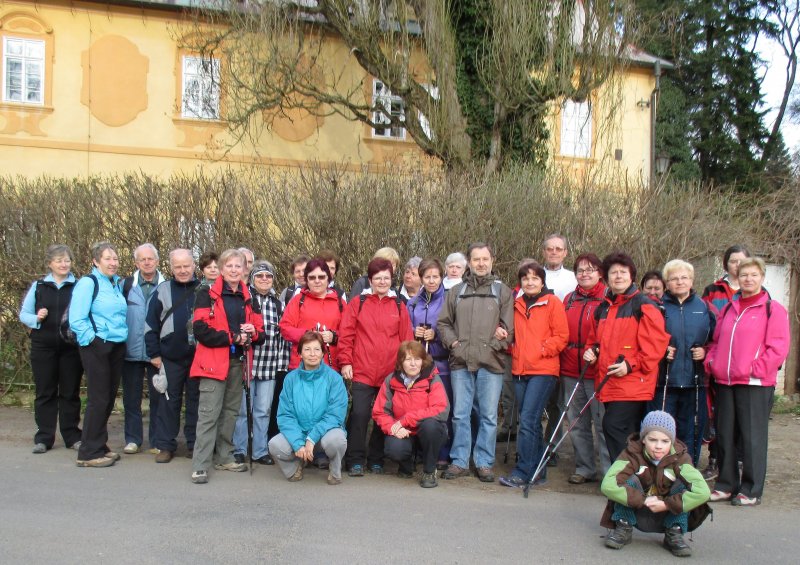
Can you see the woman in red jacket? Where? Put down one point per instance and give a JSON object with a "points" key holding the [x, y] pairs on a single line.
{"points": [[315, 308], [626, 324], [580, 305], [224, 327], [540, 334], [373, 326], [412, 409]]}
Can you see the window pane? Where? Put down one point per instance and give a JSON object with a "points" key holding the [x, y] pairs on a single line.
{"points": [[34, 49], [14, 47]]}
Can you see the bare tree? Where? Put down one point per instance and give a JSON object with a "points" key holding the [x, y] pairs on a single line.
{"points": [[315, 57], [785, 16]]}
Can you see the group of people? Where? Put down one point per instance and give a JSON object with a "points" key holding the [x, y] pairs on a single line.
{"points": [[425, 357]]}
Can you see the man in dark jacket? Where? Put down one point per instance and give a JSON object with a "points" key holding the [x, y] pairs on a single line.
{"points": [[476, 324], [167, 341]]}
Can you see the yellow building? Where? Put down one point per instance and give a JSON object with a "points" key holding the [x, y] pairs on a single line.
{"points": [[102, 87]]}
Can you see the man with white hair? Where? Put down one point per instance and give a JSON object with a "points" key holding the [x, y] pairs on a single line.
{"points": [[560, 280], [167, 339], [138, 289]]}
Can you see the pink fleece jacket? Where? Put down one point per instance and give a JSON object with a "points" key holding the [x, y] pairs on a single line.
{"points": [[749, 346]]}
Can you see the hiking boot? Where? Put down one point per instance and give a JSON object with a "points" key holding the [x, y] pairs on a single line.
{"points": [[428, 480], [113, 455], [719, 495], [333, 480], [454, 472], [39, 448], [130, 449], [298, 474], [744, 500], [620, 536], [512, 481], [485, 474], [266, 460], [356, 471], [232, 466], [153, 451], [578, 479], [199, 477], [376, 469], [674, 542], [442, 465], [405, 472], [164, 456], [239, 457], [711, 471], [99, 462], [76, 446]]}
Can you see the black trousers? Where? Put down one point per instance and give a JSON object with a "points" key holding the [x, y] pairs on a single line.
{"points": [[360, 416], [57, 375], [273, 430], [621, 419], [168, 415], [431, 435], [743, 409], [102, 361]]}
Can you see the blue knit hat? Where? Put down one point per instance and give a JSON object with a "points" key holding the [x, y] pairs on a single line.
{"points": [[659, 421]]}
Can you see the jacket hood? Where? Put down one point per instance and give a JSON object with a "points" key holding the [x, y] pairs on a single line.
{"points": [[425, 374], [624, 297]]}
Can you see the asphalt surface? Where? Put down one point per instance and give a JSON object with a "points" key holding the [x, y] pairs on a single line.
{"points": [[142, 512]]}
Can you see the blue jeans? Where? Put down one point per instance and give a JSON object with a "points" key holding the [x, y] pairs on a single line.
{"points": [[261, 397], [133, 375], [532, 394], [483, 388], [645, 519]]}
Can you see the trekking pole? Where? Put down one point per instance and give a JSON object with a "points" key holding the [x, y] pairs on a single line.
{"points": [[549, 453], [666, 380], [320, 328], [696, 446], [510, 424], [247, 378]]}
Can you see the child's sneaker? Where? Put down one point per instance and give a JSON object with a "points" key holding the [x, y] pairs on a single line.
{"points": [[674, 542], [620, 536]]}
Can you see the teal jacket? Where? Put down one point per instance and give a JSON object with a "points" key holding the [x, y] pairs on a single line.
{"points": [[311, 404], [108, 310]]}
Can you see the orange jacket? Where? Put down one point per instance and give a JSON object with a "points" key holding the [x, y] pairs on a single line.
{"points": [[540, 334], [632, 325]]}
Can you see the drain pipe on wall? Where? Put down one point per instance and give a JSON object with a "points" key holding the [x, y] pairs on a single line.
{"points": [[653, 113]]}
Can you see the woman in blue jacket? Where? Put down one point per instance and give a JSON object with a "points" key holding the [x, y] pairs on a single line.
{"points": [[424, 310], [311, 412], [690, 324], [97, 317]]}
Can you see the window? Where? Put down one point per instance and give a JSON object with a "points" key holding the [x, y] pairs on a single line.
{"points": [[23, 70], [390, 106], [200, 88], [576, 129]]}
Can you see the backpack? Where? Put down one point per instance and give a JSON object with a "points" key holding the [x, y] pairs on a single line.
{"points": [[363, 297], [64, 331], [190, 322], [496, 285]]}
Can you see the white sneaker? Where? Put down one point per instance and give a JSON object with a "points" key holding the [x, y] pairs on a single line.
{"points": [[154, 451], [131, 448]]}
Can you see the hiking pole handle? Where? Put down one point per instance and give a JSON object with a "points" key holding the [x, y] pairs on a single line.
{"points": [[620, 359]]}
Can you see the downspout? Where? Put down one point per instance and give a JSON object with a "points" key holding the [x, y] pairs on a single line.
{"points": [[653, 114]]}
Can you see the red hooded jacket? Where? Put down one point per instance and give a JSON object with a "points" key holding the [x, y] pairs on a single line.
{"points": [[540, 334], [214, 339], [303, 313], [629, 324], [372, 329], [580, 305], [425, 398]]}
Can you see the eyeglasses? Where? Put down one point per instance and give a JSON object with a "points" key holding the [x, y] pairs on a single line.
{"points": [[580, 272], [317, 277], [683, 279], [381, 279], [262, 276]]}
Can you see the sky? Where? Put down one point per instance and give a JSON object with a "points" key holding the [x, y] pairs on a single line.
{"points": [[774, 83]]}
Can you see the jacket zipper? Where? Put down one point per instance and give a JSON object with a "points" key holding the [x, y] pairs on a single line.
{"points": [[733, 333]]}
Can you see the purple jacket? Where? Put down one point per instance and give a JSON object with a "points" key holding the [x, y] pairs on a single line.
{"points": [[422, 312], [749, 345]]}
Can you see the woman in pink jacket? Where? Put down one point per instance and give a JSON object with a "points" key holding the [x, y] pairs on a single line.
{"points": [[750, 344]]}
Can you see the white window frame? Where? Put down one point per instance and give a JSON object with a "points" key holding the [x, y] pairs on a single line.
{"points": [[28, 62], [576, 129], [381, 95], [207, 106]]}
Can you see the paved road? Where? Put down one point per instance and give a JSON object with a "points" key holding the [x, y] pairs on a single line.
{"points": [[139, 512]]}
